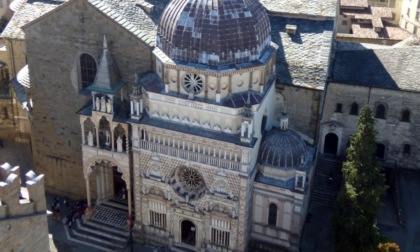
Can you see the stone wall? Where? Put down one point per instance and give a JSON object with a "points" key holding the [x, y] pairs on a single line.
{"points": [[29, 233], [303, 108], [392, 132], [6, 118], [54, 45], [23, 217], [16, 56], [289, 218], [22, 127]]}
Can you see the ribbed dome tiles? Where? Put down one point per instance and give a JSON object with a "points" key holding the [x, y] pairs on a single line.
{"points": [[214, 32], [282, 149]]}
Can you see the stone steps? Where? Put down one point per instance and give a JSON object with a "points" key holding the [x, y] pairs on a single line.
{"points": [[98, 242], [179, 247], [326, 191], [105, 231], [116, 205]]}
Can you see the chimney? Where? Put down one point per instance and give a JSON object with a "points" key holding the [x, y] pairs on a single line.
{"points": [[291, 29]]}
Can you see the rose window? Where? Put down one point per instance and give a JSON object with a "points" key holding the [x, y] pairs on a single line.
{"points": [[191, 177], [187, 181], [193, 83]]}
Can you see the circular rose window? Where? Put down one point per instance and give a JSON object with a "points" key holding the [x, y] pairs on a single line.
{"points": [[188, 181], [193, 83]]}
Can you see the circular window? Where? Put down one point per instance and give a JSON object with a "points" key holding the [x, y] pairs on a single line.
{"points": [[193, 83], [191, 178], [187, 181]]}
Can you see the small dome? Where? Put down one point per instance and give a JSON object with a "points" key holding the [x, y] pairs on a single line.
{"points": [[283, 149], [16, 4], [23, 77], [214, 32]]}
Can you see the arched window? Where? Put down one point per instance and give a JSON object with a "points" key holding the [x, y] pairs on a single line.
{"points": [[405, 115], [380, 150], [407, 149], [380, 111], [87, 70], [272, 214], [354, 110]]}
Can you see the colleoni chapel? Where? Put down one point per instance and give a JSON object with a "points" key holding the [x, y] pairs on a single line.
{"points": [[196, 141]]}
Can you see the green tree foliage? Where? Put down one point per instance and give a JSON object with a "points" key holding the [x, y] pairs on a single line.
{"points": [[358, 203]]}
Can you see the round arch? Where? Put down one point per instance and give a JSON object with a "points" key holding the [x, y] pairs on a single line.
{"points": [[87, 164], [331, 144], [188, 232]]}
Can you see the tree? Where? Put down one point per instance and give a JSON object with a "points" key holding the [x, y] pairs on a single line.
{"points": [[358, 203]]}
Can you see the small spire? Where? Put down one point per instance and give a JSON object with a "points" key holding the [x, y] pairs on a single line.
{"points": [[136, 78], [105, 43], [248, 101]]}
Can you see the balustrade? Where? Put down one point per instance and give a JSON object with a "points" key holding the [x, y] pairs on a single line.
{"points": [[199, 157]]}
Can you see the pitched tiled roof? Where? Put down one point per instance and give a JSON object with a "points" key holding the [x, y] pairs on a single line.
{"points": [[302, 58], [394, 68], [130, 15], [315, 8], [28, 11], [389, 31], [354, 3]]}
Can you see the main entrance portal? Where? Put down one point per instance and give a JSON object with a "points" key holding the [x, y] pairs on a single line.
{"points": [[188, 232]]}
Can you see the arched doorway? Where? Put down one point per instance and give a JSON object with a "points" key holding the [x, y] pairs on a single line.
{"points": [[119, 184], [380, 150], [188, 232], [108, 182], [331, 144]]}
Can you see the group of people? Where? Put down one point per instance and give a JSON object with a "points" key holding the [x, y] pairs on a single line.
{"points": [[77, 210], [55, 207]]}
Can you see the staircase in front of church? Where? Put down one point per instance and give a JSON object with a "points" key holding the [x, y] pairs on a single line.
{"points": [[105, 230], [325, 190]]}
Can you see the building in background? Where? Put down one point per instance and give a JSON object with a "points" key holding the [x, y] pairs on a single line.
{"points": [[358, 21], [410, 16]]}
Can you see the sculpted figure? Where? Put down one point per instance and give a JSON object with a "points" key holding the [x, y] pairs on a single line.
{"points": [[97, 104], [108, 107], [90, 138], [108, 138], [103, 105], [119, 144]]}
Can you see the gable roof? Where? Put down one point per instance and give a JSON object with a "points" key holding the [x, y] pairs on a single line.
{"points": [[129, 14], [310, 8], [302, 58], [28, 11], [393, 68]]}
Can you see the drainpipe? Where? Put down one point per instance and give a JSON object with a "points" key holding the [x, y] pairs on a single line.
{"points": [[12, 58]]}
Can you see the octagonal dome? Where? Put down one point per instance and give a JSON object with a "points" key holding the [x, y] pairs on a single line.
{"points": [[214, 32], [283, 149]]}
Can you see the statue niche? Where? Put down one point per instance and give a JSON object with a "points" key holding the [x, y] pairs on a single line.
{"points": [[120, 139], [104, 133]]}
